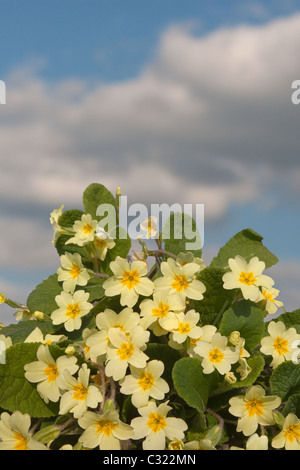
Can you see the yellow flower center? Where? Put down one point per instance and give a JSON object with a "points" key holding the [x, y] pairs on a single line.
{"points": [[74, 271], [105, 426], [292, 432], [216, 356], [268, 296], [87, 229], [280, 346], [130, 279], [184, 328], [21, 443], [247, 278], [146, 381], [156, 422], [162, 310], [80, 392], [73, 310], [52, 372], [180, 283], [254, 407], [100, 243], [125, 351]]}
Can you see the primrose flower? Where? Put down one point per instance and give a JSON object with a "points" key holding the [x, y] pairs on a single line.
{"points": [[105, 431], [125, 350], [155, 426], [149, 228], [268, 298], [255, 442], [216, 355], [159, 311], [281, 343], [129, 280], [247, 276], [179, 282], [72, 272], [208, 331], [80, 395], [15, 433], [36, 336], [253, 408], [54, 217], [2, 298], [47, 372], [289, 437], [72, 307], [102, 243], [84, 230], [187, 327], [126, 320], [145, 383]]}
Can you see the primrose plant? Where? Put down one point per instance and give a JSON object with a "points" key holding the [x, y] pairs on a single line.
{"points": [[148, 348]]}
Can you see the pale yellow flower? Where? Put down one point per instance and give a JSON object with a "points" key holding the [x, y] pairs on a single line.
{"points": [[253, 408], [72, 272], [15, 433], [281, 343], [84, 229], [71, 309], [216, 354], [289, 437]]}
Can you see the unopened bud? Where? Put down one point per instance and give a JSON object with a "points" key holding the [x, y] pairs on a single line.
{"points": [[70, 350], [47, 435], [39, 315], [235, 338], [230, 377]]}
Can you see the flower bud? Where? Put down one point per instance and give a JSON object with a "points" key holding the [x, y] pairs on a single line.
{"points": [[39, 315], [48, 434], [235, 338], [70, 350], [177, 444], [230, 377]]}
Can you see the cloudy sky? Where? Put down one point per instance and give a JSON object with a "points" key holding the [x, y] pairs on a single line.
{"points": [[173, 101]]}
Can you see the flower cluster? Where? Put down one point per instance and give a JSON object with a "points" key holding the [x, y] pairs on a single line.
{"points": [[151, 350]]}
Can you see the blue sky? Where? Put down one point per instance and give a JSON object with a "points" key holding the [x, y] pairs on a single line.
{"points": [[174, 101]]}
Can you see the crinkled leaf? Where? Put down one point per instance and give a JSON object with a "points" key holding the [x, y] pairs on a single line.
{"points": [[247, 244], [94, 195], [42, 298], [246, 318], [290, 319], [179, 231], [285, 380], [20, 331]]}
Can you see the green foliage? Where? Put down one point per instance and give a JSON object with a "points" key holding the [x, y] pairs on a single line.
{"points": [[198, 400]]}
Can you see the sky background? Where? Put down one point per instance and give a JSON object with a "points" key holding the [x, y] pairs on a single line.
{"points": [[173, 101]]}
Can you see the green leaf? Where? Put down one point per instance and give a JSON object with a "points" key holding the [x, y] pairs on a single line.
{"points": [[42, 298], [290, 319], [285, 380], [191, 384], [179, 231], [247, 244], [69, 217], [292, 405], [16, 392], [20, 331], [94, 195], [246, 318], [63, 248], [94, 288], [215, 298]]}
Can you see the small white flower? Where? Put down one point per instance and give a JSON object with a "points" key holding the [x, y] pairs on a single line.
{"points": [[149, 228], [216, 355], [98, 342], [281, 343], [253, 408], [71, 309], [159, 310], [47, 372], [36, 336], [125, 350], [268, 297], [155, 426], [105, 431], [80, 395], [129, 281], [179, 282], [208, 331], [72, 272], [54, 216], [187, 327], [15, 433], [84, 230], [247, 276], [145, 383], [289, 437]]}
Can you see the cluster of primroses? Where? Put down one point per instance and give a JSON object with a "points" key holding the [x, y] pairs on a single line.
{"points": [[117, 348]]}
